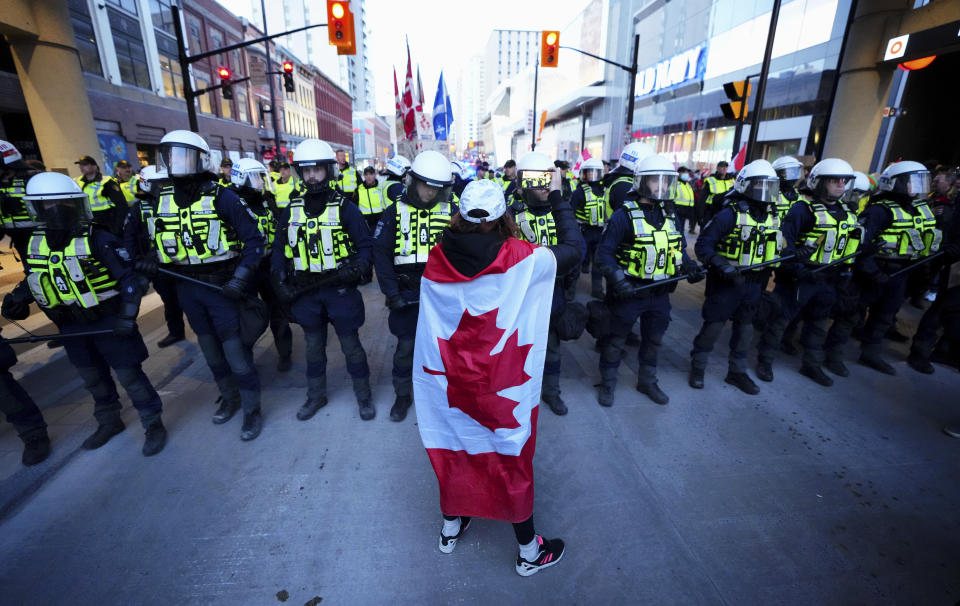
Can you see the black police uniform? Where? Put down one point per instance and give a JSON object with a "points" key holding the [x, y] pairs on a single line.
{"points": [[617, 192], [591, 233], [21, 411]]}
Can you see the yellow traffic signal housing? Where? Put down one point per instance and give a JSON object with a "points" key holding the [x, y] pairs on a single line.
{"points": [[549, 48], [340, 30], [739, 93]]}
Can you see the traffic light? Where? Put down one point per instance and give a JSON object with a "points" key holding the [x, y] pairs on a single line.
{"points": [[226, 89], [340, 27], [549, 48], [739, 93], [288, 77]]}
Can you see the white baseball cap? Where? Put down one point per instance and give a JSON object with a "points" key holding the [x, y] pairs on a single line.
{"points": [[482, 201]]}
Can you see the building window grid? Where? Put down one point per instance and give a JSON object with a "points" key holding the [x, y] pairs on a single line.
{"points": [[128, 44], [85, 37]]}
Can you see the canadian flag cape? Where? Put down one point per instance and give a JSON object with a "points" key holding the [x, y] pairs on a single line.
{"points": [[477, 368]]}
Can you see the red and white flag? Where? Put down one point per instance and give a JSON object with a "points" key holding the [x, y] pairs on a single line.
{"points": [[584, 156], [409, 112], [398, 122], [477, 369]]}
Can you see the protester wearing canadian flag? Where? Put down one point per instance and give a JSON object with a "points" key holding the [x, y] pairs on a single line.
{"points": [[480, 347]]}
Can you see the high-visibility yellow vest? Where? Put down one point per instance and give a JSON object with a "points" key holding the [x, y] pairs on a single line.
{"points": [[540, 230], [653, 254], [285, 191], [316, 244], [784, 204], [718, 186], [572, 179], [72, 276], [348, 180], [418, 231], [684, 195], [193, 235], [370, 199], [129, 188], [19, 217], [94, 191], [267, 225], [606, 193], [909, 236], [595, 210], [752, 241], [832, 238]]}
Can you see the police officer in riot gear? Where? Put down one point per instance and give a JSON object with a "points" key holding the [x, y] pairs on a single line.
{"points": [[321, 253], [592, 213], [619, 182], [537, 218], [392, 187], [819, 230], [15, 220], [204, 231], [252, 182], [899, 229], [789, 170], [79, 276], [407, 231], [640, 246], [745, 232]]}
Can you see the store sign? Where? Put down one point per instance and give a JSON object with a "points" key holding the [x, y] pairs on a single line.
{"points": [[938, 40], [688, 66]]}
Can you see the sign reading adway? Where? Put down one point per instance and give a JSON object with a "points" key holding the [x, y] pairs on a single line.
{"points": [[675, 71]]}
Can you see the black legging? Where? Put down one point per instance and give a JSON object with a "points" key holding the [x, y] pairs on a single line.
{"points": [[523, 530]]}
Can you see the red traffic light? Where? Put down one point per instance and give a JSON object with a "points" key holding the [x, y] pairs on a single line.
{"points": [[288, 67], [224, 73]]}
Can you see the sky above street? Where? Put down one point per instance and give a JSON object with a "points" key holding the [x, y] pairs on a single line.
{"points": [[443, 35]]}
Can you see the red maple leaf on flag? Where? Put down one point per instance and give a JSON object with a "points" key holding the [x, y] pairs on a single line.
{"points": [[474, 376]]}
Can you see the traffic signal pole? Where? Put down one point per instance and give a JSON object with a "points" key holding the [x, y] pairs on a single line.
{"points": [[533, 135], [762, 85], [274, 118]]}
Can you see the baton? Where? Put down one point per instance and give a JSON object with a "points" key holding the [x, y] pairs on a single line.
{"points": [[765, 263], [35, 338], [834, 262], [189, 279], [916, 264], [679, 278]]}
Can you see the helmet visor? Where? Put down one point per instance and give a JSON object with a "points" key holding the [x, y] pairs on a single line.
{"points": [[535, 179], [179, 161], [789, 173], [656, 186], [60, 213], [591, 175], [762, 189], [917, 184]]}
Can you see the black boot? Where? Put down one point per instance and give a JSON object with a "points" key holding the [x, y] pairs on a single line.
{"points": [[764, 370], [310, 407], [252, 424], [696, 377], [555, 402], [103, 434], [741, 381], [816, 373], [876, 362], [653, 391], [920, 364], [36, 449], [400, 406], [836, 366], [156, 438], [225, 412], [605, 395], [169, 340]]}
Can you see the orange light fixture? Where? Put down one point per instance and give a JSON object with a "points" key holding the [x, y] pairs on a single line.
{"points": [[917, 63]]}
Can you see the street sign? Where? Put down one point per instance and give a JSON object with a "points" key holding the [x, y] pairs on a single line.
{"points": [[529, 127], [896, 47], [915, 45], [258, 73]]}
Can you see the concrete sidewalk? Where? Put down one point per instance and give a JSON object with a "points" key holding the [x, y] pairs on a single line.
{"points": [[799, 495]]}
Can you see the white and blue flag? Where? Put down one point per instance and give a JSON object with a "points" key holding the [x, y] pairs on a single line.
{"points": [[442, 111]]}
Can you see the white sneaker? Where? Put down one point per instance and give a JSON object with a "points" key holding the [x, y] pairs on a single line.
{"points": [[448, 543]]}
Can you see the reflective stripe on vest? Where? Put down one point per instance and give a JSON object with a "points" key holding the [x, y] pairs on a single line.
{"points": [[348, 180], [606, 193], [370, 199], [537, 229], [193, 235], [418, 231], [20, 218], [832, 238], [316, 244], [72, 276], [909, 236], [94, 191], [783, 205], [684, 194], [653, 254], [718, 186], [284, 191], [267, 226], [751, 241], [594, 209]]}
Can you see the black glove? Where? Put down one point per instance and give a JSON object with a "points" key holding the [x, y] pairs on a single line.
{"points": [[126, 324], [693, 271], [236, 288], [727, 271], [349, 274], [147, 266], [281, 289], [623, 289], [396, 302], [804, 252], [14, 309]]}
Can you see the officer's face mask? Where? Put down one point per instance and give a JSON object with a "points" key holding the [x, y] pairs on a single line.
{"points": [[685, 177], [179, 161]]}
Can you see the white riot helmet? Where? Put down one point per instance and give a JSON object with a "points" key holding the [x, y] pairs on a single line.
{"points": [[428, 182], [907, 178], [56, 201], [183, 153], [399, 165], [150, 180], [247, 172], [633, 153], [789, 169], [829, 168], [310, 156], [591, 170], [12, 158], [758, 181], [534, 171], [858, 188], [457, 168], [654, 178]]}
